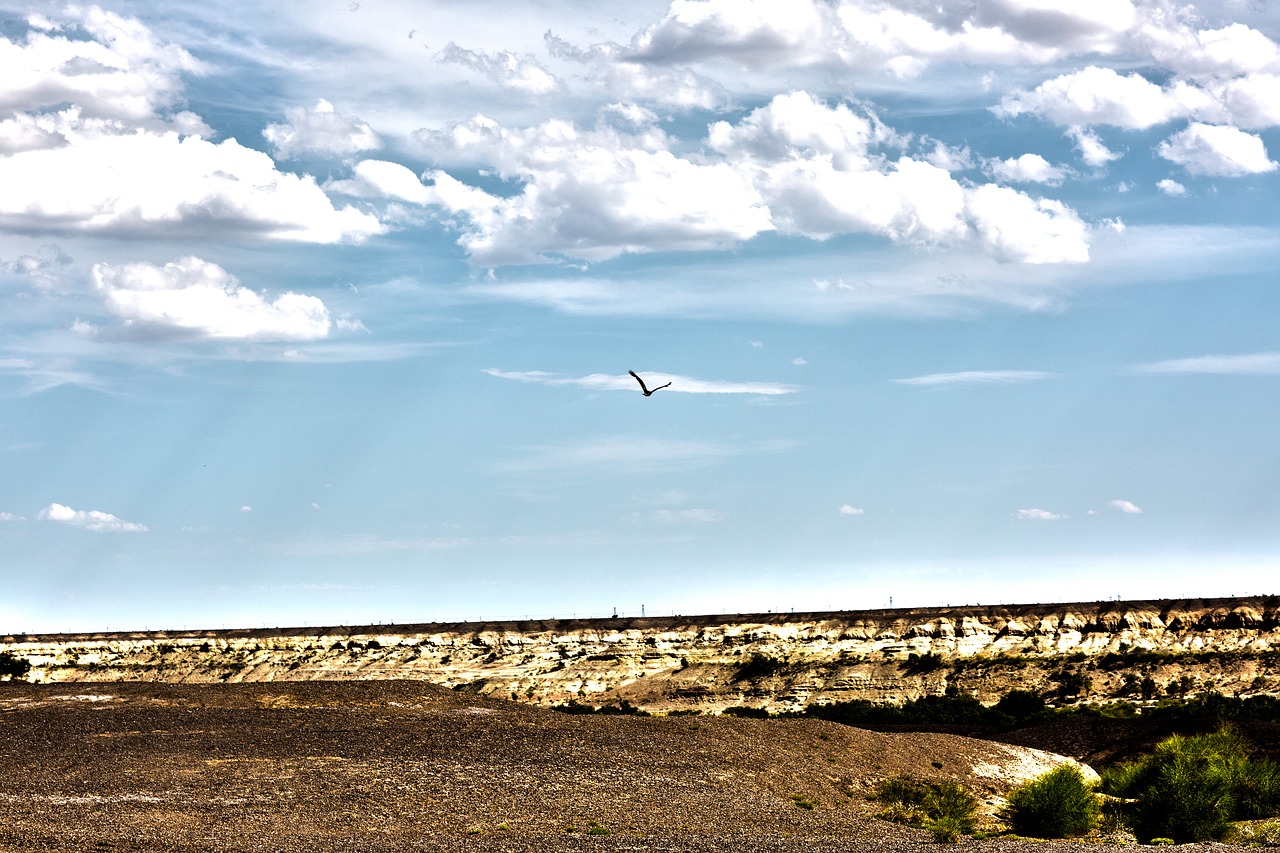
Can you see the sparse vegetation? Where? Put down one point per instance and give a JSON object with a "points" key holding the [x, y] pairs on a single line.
{"points": [[758, 666], [12, 666], [947, 809], [1058, 804]]}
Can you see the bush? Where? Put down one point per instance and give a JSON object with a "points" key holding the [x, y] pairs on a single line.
{"points": [[12, 666], [1192, 788], [1058, 804], [758, 666], [946, 809]]}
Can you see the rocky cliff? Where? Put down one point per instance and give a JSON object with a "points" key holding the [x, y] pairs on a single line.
{"points": [[1096, 650]]}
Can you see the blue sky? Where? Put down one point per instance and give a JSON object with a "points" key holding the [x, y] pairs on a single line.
{"points": [[324, 315]]}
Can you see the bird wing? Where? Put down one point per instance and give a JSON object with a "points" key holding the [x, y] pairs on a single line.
{"points": [[643, 387]]}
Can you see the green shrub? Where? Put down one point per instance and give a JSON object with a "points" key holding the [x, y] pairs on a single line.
{"points": [[1192, 788], [941, 807], [1058, 804], [946, 830]]}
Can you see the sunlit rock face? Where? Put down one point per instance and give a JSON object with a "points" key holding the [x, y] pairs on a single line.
{"points": [[1066, 652]]}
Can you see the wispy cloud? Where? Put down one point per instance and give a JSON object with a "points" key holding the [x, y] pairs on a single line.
{"points": [[977, 377], [629, 453], [848, 509], [1256, 364], [1125, 506], [1034, 514], [624, 382], [686, 516]]}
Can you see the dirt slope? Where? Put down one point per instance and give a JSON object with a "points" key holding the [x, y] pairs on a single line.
{"points": [[408, 765]]}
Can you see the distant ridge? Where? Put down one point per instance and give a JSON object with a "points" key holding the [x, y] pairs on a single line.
{"points": [[659, 621], [1138, 650]]}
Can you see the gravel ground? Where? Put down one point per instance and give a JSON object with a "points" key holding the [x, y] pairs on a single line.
{"points": [[356, 766]]}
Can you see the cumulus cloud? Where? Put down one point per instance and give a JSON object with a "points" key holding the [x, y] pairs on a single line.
{"points": [[162, 182], [904, 39], [1103, 96], [624, 382], [755, 33], [98, 522], [1127, 507], [590, 194], [1092, 149], [93, 145], [8, 516], [120, 72], [849, 509], [1029, 168], [1168, 186], [384, 179], [321, 129], [1038, 515], [795, 165], [1204, 149], [506, 69], [1098, 95], [192, 298]]}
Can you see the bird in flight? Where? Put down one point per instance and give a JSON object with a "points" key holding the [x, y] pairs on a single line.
{"points": [[645, 388]]}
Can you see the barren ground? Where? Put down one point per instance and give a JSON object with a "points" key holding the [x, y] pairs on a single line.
{"points": [[398, 765]]}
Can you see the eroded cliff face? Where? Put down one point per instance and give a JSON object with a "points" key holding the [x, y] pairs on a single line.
{"points": [[776, 661]]}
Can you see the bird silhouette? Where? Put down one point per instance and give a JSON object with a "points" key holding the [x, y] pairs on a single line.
{"points": [[645, 388]]}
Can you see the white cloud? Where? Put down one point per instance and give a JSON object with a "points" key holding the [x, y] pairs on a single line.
{"points": [[795, 165], [1256, 364], [1223, 52], [384, 179], [1098, 95], [161, 182], [1015, 227], [755, 33], [1038, 515], [98, 522], [506, 69], [194, 298], [848, 509], [92, 146], [1029, 168], [946, 157], [321, 129], [1168, 186], [1124, 506], [246, 508], [624, 382], [976, 377], [121, 72], [1204, 149], [590, 194], [8, 516], [1092, 149], [615, 73]]}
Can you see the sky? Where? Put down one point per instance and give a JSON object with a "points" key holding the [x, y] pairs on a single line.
{"points": [[322, 313]]}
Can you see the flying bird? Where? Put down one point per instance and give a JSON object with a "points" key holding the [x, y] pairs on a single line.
{"points": [[647, 391]]}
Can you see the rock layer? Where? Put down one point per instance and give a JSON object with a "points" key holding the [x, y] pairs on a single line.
{"points": [[1100, 650]]}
